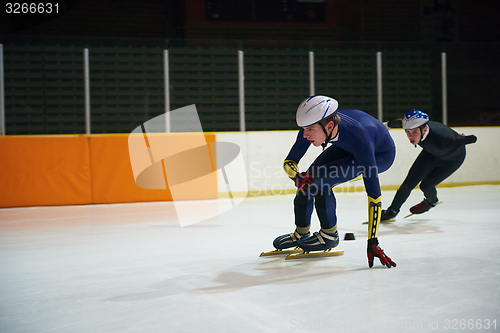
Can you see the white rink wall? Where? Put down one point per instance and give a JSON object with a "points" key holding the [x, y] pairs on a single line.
{"points": [[263, 154]]}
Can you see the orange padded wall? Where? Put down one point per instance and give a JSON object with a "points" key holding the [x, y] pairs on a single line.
{"points": [[112, 177], [44, 170], [80, 169]]}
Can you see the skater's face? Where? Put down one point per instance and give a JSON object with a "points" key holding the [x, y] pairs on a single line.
{"points": [[315, 134], [415, 135]]}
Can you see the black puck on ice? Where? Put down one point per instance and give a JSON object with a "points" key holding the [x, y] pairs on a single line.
{"points": [[349, 236]]}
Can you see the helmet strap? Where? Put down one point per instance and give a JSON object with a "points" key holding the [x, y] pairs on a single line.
{"points": [[421, 127], [328, 136]]}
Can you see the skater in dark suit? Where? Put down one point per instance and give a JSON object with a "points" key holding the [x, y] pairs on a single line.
{"points": [[443, 152]]}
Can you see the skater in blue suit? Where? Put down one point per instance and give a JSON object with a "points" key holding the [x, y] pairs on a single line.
{"points": [[360, 147]]}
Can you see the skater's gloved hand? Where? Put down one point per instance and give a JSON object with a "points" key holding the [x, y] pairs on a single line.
{"points": [[471, 139], [467, 139], [290, 168], [396, 123], [303, 181], [375, 251]]}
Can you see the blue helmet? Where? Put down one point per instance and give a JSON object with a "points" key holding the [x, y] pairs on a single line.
{"points": [[414, 119]]}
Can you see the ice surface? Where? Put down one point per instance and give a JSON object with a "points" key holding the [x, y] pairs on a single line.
{"points": [[133, 268]]}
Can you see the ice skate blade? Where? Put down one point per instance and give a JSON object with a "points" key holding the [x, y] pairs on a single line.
{"points": [[281, 252], [440, 202], [327, 253], [384, 221]]}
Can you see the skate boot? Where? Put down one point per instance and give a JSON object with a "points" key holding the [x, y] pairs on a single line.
{"points": [[422, 207], [388, 214], [319, 241], [289, 240]]}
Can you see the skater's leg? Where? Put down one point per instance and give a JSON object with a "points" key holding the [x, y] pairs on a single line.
{"points": [[326, 207], [303, 205], [304, 202], [424, 163], [327, 237], [326, 175], [303, 208], [435, 177]]}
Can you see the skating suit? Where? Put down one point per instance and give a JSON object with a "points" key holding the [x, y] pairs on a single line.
{"points": [[443, 153], [362, 147]]}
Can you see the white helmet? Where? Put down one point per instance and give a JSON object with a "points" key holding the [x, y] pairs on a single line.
{"points": [[414, 119], [314, 109]]}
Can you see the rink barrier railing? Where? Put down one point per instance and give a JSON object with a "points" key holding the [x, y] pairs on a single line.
{"points": [[264, 153], [81, 169]]}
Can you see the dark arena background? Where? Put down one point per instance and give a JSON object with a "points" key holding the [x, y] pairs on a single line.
{"points": [[44, 75]]}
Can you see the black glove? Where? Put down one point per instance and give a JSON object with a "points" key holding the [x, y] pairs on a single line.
{"points": [[375, 251], [395, 123], [303, 181], [467, 139], [470, 139]]}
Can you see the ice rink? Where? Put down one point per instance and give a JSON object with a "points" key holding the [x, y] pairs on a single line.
{"points": [[133, 268]]}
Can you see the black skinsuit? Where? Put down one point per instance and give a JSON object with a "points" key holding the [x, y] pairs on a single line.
{"points": [[443, 153]]}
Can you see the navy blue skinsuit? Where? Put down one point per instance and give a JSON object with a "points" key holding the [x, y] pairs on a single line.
{"points": [[443, 153], [363, 146]]}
